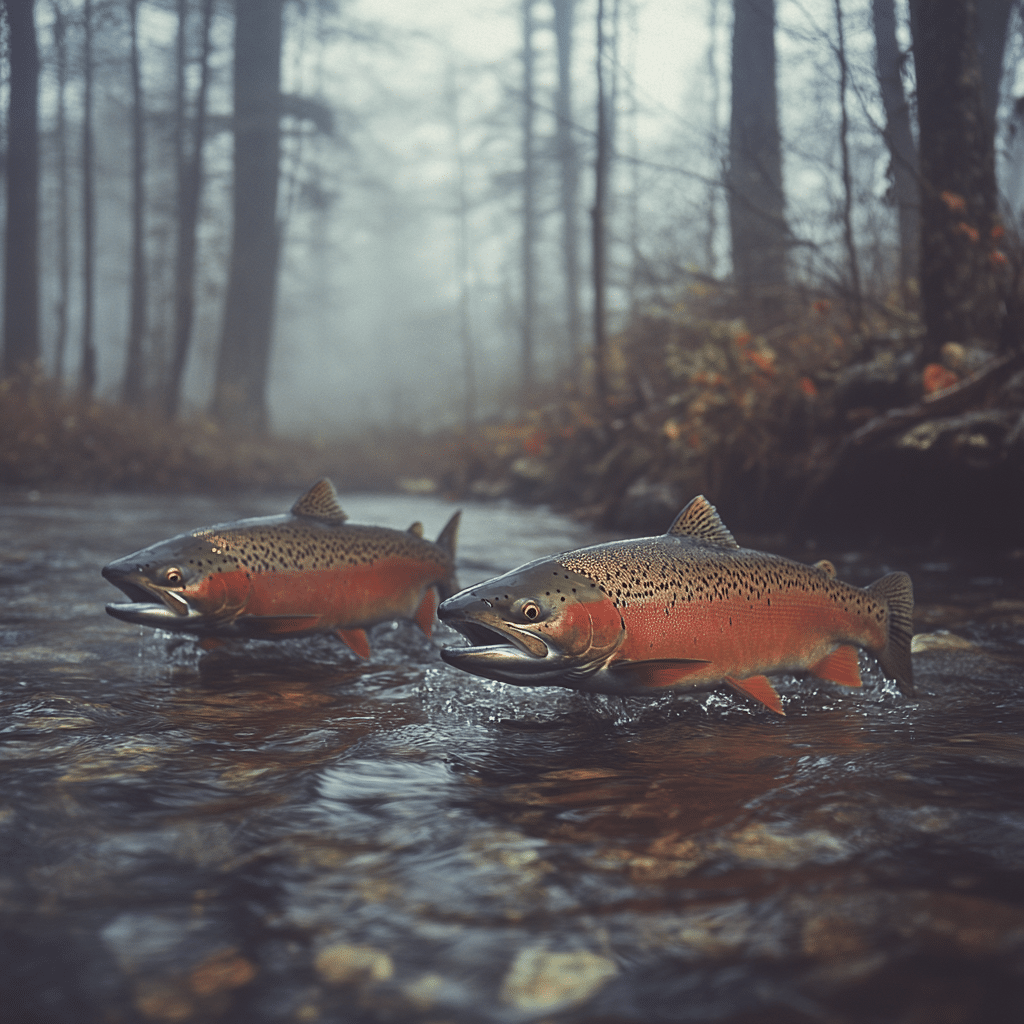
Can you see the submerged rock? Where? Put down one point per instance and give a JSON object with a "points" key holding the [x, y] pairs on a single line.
{"points": [[540, 980]]}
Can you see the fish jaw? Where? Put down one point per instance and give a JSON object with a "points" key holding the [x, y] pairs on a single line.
{"points": [[169, 592], [150, 605], [540, 625]]}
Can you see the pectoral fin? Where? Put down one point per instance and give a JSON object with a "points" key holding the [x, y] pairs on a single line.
{"points": [[841, 666], [655, 674], [759, 689], [424, 616], [356, 640]]}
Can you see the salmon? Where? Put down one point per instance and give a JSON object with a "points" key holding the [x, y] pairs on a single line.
{"points": [[308, 571], [690, 609]]}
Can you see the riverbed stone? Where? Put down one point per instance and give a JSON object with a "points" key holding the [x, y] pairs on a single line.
{"points": [[344, 964], [540, 980]]}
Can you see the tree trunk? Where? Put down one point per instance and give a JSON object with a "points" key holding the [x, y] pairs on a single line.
{"points": [[240, 389], [900, 141], [855, 304], [757, 223], [21, 249], [464, 254], [529, 255], [959, 288], [190, 184], [132, 386], [568, 162], [602, 160], [993, 21], [87, 378], [714, 143], [63, 193]]}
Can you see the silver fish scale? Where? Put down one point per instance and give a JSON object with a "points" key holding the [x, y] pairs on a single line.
{"points": [[296, 547], [680, 571]]}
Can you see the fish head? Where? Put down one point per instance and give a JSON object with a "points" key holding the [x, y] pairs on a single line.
{"points": [[186, 584], [540, 625]]}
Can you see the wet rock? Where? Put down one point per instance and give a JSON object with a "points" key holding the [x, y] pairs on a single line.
{"points": [[540, 980], [163, 1001], [226, 969], [344, 964], [761, 844], [941, 640], [532, 470], [879, 383]]}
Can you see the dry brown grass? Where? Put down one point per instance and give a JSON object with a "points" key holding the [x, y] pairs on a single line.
{"points": [[48, 439]]}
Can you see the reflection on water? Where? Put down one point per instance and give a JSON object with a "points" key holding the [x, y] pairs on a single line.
{"points": [[280, 832]]}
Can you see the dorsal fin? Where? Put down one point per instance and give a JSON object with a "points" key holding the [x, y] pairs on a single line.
{"points": [[416, 529], [826, 567], [446, 538], [700, 521], [320, 502]]}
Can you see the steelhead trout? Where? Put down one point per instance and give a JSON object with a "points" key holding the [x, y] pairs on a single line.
{"points": [[688, 610], [308, 571]]}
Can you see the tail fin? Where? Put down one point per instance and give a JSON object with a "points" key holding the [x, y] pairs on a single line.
{"points": [[446, 542], [896, 592]]}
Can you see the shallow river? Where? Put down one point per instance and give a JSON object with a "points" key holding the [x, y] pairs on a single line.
{"points": [[282, 832]]}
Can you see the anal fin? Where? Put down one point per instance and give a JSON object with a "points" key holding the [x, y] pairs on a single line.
{"points": [[656, 674], [758, 688], [356, 640], [841, 666], [424, 617]]}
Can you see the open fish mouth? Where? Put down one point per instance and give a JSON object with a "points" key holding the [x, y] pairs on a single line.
{"points": [[504, 652], [149, 605], [502, 636]]}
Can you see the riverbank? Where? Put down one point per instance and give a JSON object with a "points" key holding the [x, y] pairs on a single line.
{"points": [[809, 431], [50, 440]]}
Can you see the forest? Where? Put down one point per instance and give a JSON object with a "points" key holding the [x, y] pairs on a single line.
{"points": [[600, 254]]}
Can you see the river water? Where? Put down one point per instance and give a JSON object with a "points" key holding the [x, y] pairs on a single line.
{"points": [[278, 832]]}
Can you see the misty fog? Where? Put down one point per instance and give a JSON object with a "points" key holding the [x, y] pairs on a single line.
{"points": [[378, 300]]}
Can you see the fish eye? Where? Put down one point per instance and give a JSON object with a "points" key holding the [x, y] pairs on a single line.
{"points": [[173, 577], [531, 611]]}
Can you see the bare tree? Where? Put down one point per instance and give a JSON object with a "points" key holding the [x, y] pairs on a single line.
{"points": [[757, 221], [903, 164], [602, 167], [568, 163], [714, 139], [852, 263], [189, 158], [87, 373], [133, 384], [240, 387], [462, 208], [21, 246], [959, 286], [63, 191], [529, 254]]}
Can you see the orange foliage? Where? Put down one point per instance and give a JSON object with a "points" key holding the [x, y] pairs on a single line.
{"points": [[966, 229], [533, 443], [808, 387], [935, 377], [766, 364], [955, 203]]}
